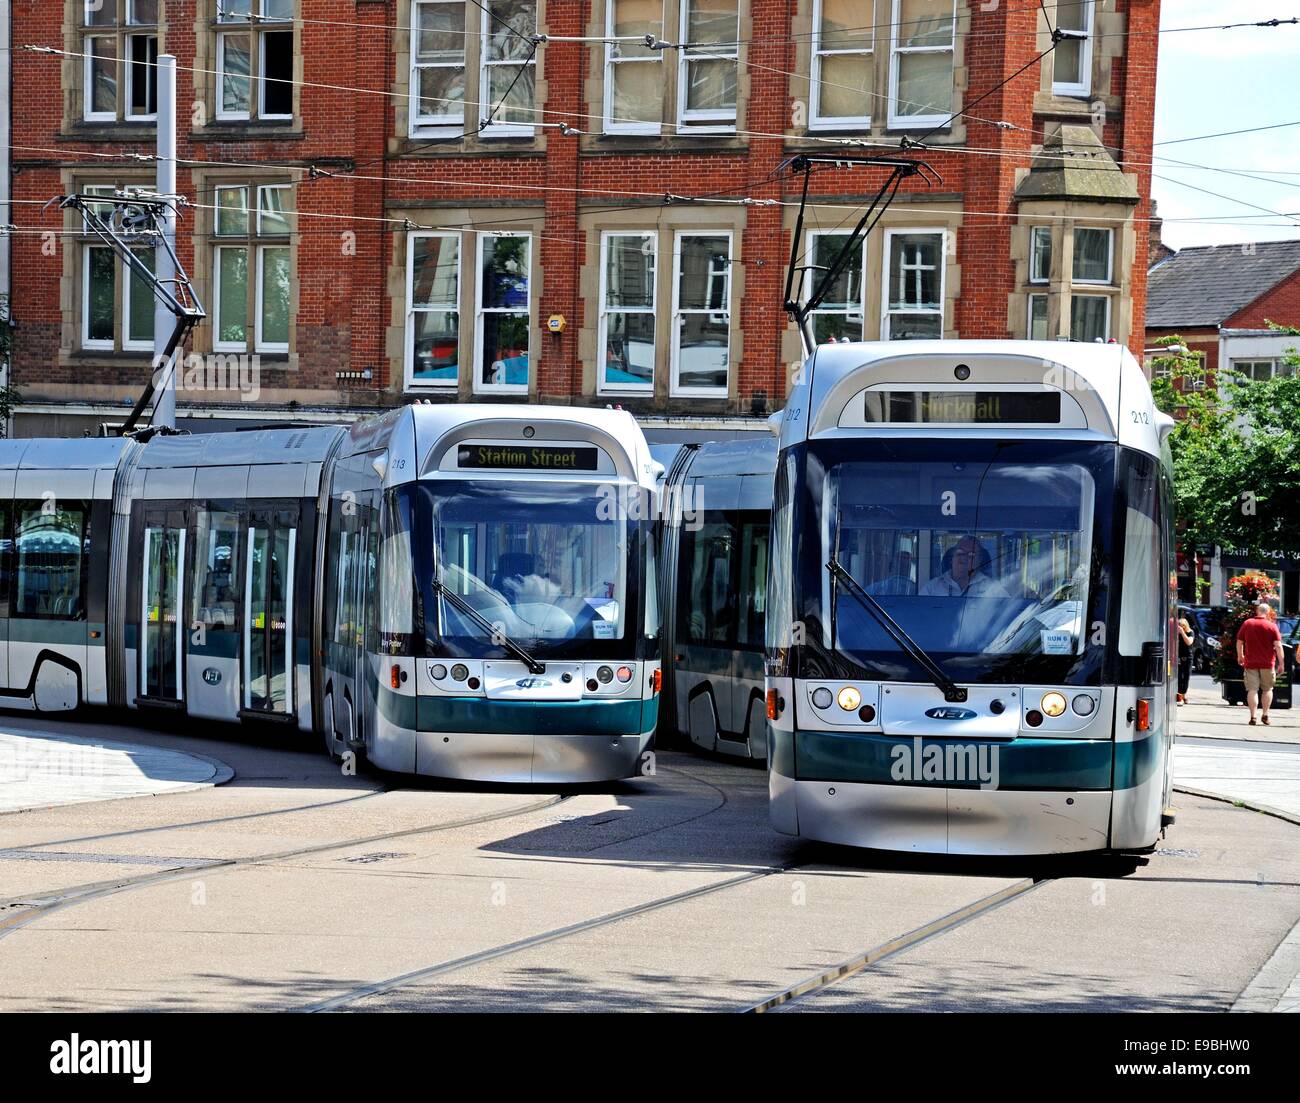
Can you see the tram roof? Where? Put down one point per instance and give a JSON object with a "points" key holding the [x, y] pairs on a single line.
{"points": [[1104, 379]]}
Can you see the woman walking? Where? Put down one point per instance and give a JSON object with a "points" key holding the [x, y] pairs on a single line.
{"points": [[1185, 641]]}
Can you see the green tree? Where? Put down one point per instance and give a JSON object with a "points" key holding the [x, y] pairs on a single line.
{"points": [[1236, 450]]}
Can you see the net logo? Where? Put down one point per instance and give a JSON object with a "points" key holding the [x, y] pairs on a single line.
{"points": [[103, 1058], [947, 712], [533, 683]]}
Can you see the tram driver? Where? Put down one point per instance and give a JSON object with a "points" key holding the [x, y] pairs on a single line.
{"points": [[965, 573]]}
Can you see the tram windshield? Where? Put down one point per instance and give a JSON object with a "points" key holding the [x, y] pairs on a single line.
{"points": [[543, 563], [985, 553]]}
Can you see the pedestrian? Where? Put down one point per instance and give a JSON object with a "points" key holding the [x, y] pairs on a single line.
{"points": [[1185, 641], [1259, 653]]}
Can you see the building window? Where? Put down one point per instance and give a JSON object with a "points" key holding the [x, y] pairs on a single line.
{"points": [[503, 326], [1040, 254], [1089, 317], [627, 312], [913, 285], [251, 269], [708, 61], [117, 305], [701, 349], [1072, 58], [843, 62], [840, 317], [634, 74], [1261, 371], [920, 78], [433, 311], [255, 59], [509, 72], [1092, 254], [120, 44], [437, 63], [1037, 318]]}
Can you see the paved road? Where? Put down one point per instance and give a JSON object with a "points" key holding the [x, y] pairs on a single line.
{"points": [[296, 888]]}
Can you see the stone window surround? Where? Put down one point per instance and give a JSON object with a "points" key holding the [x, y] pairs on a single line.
{"points": [[203, 275], [518, 220], [695, 219], [1060, 286], [204, 93], [800, 87], [596, 136], [466, 139], [73, 73], [1107, 22]]}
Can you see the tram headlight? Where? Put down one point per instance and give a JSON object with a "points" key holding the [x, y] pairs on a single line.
{"points": [[1053, 703], [849, 699], [605, 674], [1084, 705], [439, 672], [459, 672], [822, 698]]}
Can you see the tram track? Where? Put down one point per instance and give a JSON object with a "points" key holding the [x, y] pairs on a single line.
{"points": [[35, 906], [895, 946]]}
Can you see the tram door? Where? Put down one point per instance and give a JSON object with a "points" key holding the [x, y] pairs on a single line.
{"points": [[162, 593], [268, 604]]}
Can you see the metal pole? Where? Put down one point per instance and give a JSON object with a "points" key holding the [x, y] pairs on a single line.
{"points": [[6, 210], [164, 361]]}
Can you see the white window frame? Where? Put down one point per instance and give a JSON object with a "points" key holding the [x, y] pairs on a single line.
{"points": [[127, 279], [255, 27], [219, 345], [448, 123], [408, 366], [1082, 87], [479, 385], [86, 341], [485, 67], [257, 225], [941, 232], [88, 93], [677, 389], [704, 122], [259, 313], [916, 122], [151, 116], [1035, 232], [1029, 316], [602, 329], [1105, 298], [816, 120], [1109, 231], [612, 125], [811, 278]]}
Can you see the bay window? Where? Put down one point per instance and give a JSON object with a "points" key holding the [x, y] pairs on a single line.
{"points": [[1089, 317], [1040, 254], [626, 343], [921, 76], [1037, 318], [913, 285], [843, 63], [1093, 248]]}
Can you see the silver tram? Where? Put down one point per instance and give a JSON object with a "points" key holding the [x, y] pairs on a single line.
{"points": [[970, 611], [458, 591]]}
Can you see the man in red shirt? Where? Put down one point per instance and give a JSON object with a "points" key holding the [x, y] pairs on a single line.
{"points": [[1259, 652]]}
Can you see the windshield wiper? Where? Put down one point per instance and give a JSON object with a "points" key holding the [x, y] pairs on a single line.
{"points": [[493, 630], [951, 691]]}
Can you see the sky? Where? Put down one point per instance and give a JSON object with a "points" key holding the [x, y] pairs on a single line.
{"points": [[1220, 80]]}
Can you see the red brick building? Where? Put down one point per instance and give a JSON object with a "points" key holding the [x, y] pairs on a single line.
{"points": [[399, 199]]}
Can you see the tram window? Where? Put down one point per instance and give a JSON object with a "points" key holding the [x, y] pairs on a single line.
{"points": [[217, 581], [51, 549], [6, 561], [652, 590], [1141, 621], [709, 594], [752, 598], [779, 616], [396, 583]]}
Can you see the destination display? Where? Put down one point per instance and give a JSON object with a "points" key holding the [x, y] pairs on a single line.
{"points": [[964, 407], [527, 457]]}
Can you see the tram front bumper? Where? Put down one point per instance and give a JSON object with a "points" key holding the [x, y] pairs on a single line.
{"points": [[533, 742]]}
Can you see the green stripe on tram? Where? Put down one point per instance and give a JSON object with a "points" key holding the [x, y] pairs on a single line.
{"points": [[68, 633], [1024, 764]]}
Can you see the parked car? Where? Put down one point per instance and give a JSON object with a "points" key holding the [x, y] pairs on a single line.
{"points": [[1206, 621]]}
